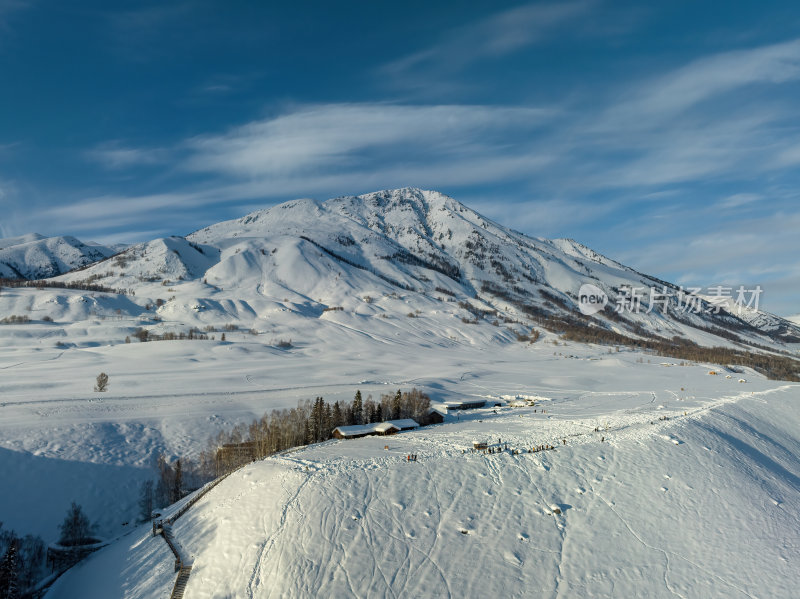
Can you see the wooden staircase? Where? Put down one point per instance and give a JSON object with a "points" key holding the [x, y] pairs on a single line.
{"points": [[180, 582], [183, 565]]}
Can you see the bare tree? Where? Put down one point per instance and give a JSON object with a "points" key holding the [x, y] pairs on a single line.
{"points": [[76, 528]]}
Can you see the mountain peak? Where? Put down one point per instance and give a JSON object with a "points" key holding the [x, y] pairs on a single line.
{"points": [[407, 240]]}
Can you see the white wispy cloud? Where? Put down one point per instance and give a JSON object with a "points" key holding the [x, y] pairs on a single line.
{"points": [[706, 78], [725, 116], [314, 140], [739, 199], [319, 149], [490, 38], [114, 155]]}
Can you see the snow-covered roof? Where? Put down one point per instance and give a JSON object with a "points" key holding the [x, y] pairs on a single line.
{"points": [[404, 423], [383, 427], [355, 430], [455, 405]]}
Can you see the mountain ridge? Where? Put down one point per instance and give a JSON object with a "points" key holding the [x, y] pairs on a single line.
{"points": [[335, 253], [34, 256]]}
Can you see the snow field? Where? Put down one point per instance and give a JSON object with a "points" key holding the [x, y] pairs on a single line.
{"points": [[714, 516]]}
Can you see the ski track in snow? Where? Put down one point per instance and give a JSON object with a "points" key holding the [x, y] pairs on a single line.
{"points": [[270, 541]]}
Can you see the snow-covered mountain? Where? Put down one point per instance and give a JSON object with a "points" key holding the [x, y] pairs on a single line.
{"points": [[34, 256], [421, 244]]}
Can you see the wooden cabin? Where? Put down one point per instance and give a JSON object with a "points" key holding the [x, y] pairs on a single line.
{"points": [[390, 427], [237, 453], [467, 404], [433, 416]]}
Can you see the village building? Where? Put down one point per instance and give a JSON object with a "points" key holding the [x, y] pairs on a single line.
{"points": [[467, 404], [435, 415], [237, 452], [390, 427]]}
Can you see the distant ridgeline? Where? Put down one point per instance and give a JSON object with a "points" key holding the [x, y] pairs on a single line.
{"points": [[83, 285]]}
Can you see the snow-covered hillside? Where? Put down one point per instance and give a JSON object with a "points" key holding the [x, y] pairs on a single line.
{"points": [[688, 488], [34, 256]]}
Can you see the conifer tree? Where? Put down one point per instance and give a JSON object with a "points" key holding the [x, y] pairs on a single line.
{"points": [[337, 417], [358, 410], [177, 482], [369, 410], [396, 403], [146, 500], [9, 572], [164, 483], [328, 428]]}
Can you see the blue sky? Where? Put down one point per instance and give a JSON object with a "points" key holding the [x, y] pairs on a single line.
{"points": [[665, 135]]}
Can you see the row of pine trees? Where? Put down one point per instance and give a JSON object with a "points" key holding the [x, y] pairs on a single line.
{"points": [[278, 430]]}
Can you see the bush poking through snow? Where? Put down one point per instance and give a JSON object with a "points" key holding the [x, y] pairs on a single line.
{"points": [[102, 382], [15, 319]]}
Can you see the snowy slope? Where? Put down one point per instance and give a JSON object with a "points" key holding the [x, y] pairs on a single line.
{"points": [[34, 256], [704, 504]]}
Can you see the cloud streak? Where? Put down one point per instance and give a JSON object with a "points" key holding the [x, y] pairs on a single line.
{"points": [[707, 78], [114, 156], [491, 38], [316, 139]]}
